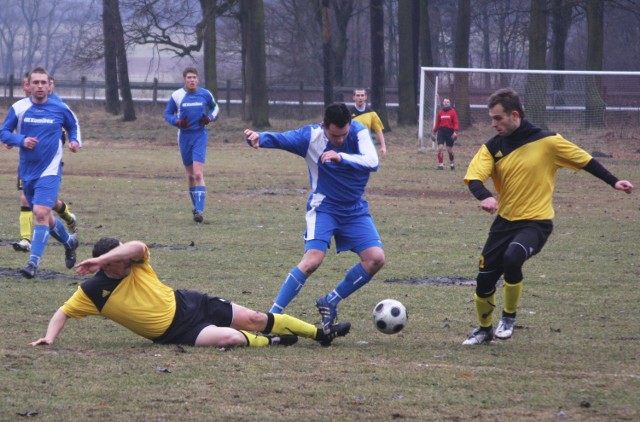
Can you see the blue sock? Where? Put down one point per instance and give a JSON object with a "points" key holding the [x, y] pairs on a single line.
{"points": [[199, 195], [60, 233], [39, 240], [289, 290], [356, 277], [192, 190]]}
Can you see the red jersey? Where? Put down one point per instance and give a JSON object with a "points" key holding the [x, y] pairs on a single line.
{"points": [[447, 117]]}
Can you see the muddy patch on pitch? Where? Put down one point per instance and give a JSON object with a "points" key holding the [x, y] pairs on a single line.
{"points": [[14, 273], [438, 280]]}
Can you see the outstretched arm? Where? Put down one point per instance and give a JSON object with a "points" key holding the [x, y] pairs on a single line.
{"points": [[56, 324], [133, 250], [594, 167]]}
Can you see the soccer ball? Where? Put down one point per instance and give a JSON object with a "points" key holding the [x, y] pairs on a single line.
{"points": [[389, 316]]}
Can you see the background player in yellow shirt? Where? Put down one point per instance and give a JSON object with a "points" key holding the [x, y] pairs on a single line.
{"points": [[365, 115], [127, 290], [522, 160]]}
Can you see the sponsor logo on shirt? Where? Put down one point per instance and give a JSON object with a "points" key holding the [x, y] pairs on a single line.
{"points": [[38, 120], [192, 104]]}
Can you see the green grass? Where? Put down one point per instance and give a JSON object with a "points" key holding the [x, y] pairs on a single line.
{"points": [[576, 351]]}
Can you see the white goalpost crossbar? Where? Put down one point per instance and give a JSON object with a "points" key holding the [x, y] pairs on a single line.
{"points": [[622, 88]]}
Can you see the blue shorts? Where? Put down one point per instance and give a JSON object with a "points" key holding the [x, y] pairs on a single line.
{"points": [[351, 233], [193, 146], [43, 191]]}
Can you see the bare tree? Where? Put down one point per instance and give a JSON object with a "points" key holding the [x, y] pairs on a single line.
{"points": [[536, 87], [252, 21], [112, 99], [595, 48], [209, 45], [114, 33], [343, 11], [378, 83], [327, 55], [461, 59], [407, 113]]}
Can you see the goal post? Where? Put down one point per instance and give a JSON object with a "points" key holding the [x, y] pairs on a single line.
{"points": [[568, 100]]}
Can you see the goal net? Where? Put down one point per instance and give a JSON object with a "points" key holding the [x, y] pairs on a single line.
{"points": [[577, 104]]}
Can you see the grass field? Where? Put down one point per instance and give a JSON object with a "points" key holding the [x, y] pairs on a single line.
{"points": [[575, 353]]}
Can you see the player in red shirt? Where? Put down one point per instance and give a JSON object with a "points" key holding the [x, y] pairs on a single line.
{"points": [[446, 128]]}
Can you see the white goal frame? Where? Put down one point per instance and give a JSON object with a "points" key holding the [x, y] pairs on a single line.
{"points": [[439, 70]]}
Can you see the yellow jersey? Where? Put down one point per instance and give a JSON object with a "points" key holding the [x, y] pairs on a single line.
{"points": [[139, 302], [523, 168]]}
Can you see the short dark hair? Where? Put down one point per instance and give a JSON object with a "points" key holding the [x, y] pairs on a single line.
{"points": [[104, 245], [360, 89], [189, 70], [40, 70], [337, 114], [509, 99]]}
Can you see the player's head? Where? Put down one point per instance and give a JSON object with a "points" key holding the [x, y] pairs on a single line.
{"points": [[505, 110], [39, 84], [25, 85], [337, 114], [336, 123], [114, 269], [104, 245], [190, 75], [51, 84], [359, 97], [446, 102], [509, 99]]}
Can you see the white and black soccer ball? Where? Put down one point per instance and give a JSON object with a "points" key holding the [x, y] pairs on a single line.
{"points": [[390, 316]]}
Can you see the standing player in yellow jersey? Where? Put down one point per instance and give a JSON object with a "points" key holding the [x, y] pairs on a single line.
{"points": [[365, 115], [522, 161], [127, 291]]}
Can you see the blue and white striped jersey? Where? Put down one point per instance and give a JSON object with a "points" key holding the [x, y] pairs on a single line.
{"points": [[336, 188], [191, 105], [45, 123]]}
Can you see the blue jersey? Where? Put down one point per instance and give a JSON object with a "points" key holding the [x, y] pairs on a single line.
{"points": [[191, 105], [336, 188], [45, 123]]}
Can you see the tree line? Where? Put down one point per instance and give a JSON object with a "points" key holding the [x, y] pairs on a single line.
{"points": [[336, 43]]}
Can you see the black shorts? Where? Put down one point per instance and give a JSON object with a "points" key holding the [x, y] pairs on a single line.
{"points": [[445, 136], [194, 312], [531, 234]]}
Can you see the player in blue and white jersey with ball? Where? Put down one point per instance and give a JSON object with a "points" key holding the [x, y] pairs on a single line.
{"points": [[340, 156]]}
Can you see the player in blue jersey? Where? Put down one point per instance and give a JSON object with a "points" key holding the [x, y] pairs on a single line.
{"points": [[38, 122], [340, 156], [60, 207], [191, 109]]}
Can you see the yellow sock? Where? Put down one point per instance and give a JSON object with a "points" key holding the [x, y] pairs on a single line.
{"points": [[484, 309], [65, 214], [25, 223], [255, 340], [512, 294], [286, 324]]}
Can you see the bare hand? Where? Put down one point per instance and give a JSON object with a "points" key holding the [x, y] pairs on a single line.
{"points": [[330, 156], [29, 143], [74, 146], [42, 341], [489, 205], [624, 185], [88, 266], [253, 138]]}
